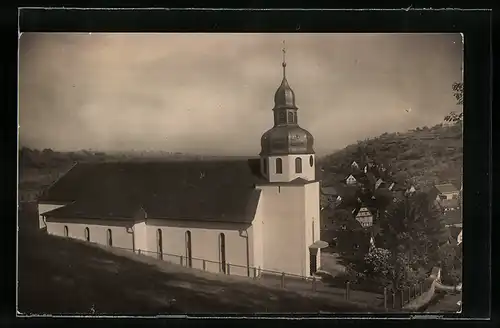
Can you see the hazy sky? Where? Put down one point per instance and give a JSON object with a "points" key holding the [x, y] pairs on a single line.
{"points": [[213, 93]]}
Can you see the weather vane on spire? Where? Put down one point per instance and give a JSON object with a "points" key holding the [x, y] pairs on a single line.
{"points": [[284, 61]]}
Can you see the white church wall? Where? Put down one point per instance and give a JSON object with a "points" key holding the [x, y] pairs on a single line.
{"points": [[97, 229], [283, 229], [257, 242], [312, 214], [140, 234], [288, 172], [44, 208], [204, 243]]}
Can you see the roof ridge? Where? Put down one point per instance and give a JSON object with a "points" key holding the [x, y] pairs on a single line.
{"points": [[59, 178]]}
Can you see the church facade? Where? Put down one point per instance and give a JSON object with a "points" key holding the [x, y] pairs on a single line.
{"points": [[257, 213]]}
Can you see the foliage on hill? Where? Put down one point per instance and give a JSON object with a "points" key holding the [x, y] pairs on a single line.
{"points": [[408, 236], [425, 156]]}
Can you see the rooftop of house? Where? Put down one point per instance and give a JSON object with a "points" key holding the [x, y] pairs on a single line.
{"points": [[222, 190], [449, 203], [453, 217], [446, 188]]}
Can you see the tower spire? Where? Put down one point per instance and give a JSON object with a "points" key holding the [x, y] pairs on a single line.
{"points": [[284, 60]]}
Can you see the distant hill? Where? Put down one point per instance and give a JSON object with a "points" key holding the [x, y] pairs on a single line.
{"points": [[424, 155]]}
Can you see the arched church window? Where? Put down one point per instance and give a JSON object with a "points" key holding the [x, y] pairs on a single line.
{"points": [[298, 165], [290, 117], [189, 257], [311, 160], [279, 166], [66, 231], [87, 234], [110, 238], [159, 244], [222, 252]]}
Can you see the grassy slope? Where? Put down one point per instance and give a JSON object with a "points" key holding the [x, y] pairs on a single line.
{"points": [[429, 156], [57, 275]]}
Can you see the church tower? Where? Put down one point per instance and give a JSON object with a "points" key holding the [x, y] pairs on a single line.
{"points": [[287, 149], [290, 224]]}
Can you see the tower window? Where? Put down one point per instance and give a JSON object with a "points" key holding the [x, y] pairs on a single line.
{"points": [[311, 160], [290, 117], [279, 166], [298, 165], [281, 117]]}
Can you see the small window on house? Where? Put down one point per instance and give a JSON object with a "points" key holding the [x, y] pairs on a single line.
{"points": [[66, 234], [311, 160], [87, 234], [443, 197], [279, 166], [109, 238], [298, 165], [455, 196]]}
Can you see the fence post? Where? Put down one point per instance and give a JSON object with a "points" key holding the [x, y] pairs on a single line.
{"points": [[421, 288], [409, 293], [314, 284], [182, 260], [282, 280], [204, 265], [415, 290], [393, 300], [347, 289], [254, 272], [402, 297], [385, 298], [228, 269], [139, 251]]}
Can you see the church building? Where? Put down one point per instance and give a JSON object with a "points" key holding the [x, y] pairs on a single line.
{"points": [[253, 213]]}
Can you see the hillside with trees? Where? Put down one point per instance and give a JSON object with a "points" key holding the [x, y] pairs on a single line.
{"points": [[425, 156]]}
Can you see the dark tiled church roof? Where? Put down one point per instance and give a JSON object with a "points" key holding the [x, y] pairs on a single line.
{"points": [[222, 190]]}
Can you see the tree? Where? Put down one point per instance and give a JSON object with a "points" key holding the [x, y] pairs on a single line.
{"points": [[410, 237], [458, 88], [458, 92], [451, 263]]}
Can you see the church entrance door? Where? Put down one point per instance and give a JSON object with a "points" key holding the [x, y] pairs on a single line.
{"points": [[313, 261]]}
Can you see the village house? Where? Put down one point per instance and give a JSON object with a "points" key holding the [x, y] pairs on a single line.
{"points": [[351, 180], [446, 196], [255, 213], [332, 194], [363, 216], [446, 191]]}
